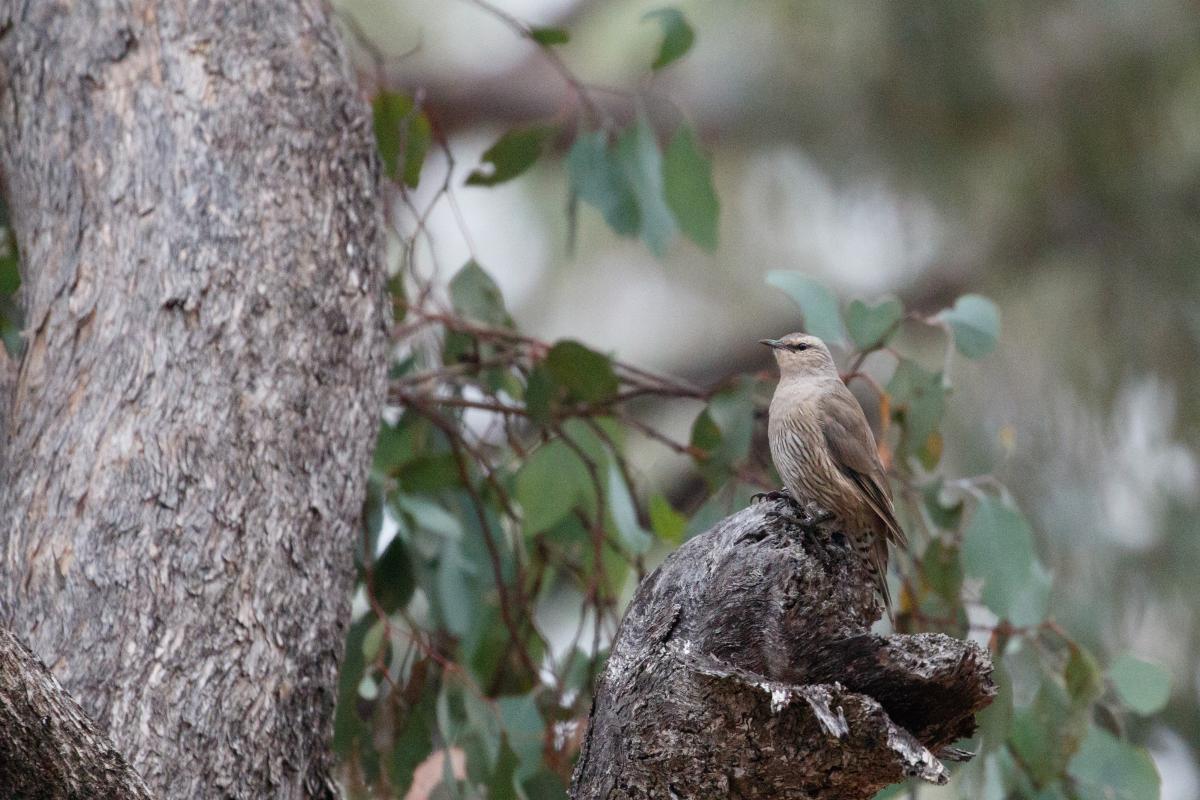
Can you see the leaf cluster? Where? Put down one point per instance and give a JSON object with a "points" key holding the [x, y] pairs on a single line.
{"points": [[507, 523]]}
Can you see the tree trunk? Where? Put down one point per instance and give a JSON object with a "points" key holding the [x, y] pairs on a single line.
{"points": [[743, 668], [194, 193]]}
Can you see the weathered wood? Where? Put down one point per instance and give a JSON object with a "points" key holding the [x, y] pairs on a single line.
{"points": [[744, 668], [194, 191]]}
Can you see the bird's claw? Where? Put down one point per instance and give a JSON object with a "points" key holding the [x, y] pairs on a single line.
{"points": [[812, 514], [778, 494]]}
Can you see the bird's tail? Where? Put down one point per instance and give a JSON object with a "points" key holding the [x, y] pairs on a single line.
{"points": [[872, 550], [876, 560]]}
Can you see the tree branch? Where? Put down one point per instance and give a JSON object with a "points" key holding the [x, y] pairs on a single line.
{"points": [[744, 668], [49, 748]]}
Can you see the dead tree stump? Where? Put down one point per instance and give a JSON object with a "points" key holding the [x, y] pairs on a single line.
{"points": [[744, 667]]}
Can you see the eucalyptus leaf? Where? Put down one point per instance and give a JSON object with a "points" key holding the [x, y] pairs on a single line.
{"points": [[1082, 676], [668, 524], [818, 305], [1107, 768], [1142, 686], [998, 547], [456, 589], [872, 326], [975, 322], [524, 730], [413, 741], [475, 295], [688, 187], [1048, 732], [598, 178], [348, 725], [918, 401], [585, 374], [624, 514], [549, 36], [549, 485], [403, 135], [678, 35], [514, 153], [392, 576], [641, 159]]}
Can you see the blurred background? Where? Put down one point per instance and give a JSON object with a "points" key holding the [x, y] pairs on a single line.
{"points": [[1044, 154]]}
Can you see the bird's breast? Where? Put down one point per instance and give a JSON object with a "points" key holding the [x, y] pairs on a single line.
{"points": [[807, 468]]}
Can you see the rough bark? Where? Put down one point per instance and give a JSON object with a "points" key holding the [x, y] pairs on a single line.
{"points": [[49, 747], [744, 668], [194, 193]]}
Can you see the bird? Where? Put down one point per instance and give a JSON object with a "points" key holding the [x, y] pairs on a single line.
{"points": [[825, 453]]}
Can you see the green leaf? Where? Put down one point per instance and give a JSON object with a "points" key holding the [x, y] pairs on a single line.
{"points": [[918, 403], [545, 785], [624, 514], [456, 589], [678, 35], [942, 570], [429, 473], [1048, 732], [515, 152], [401, 129], [733, 412], [688, 186], [476, 296], [549, 485], [1106, 768], [348, 724], [975, 322], [872, 326], [998, 547], [549, 36], [373, 641], [706, 436], [541, 399], [1082, 675], [413, 742], [587, 375], [668, 524], [428, 515], [392, 576], [399, 444], [639, 156], [818, 305], [944, 513], [1142, 686], [460, 348], [501, 784], [597, 177], [420, 136], [524, 730], [1032, 603], [731, 497], [995, 721], [390, 112], [724, 431], [372, 519], [484, 721]]}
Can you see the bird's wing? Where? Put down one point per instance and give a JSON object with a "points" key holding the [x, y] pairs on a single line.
{"points": [[852, 445]]}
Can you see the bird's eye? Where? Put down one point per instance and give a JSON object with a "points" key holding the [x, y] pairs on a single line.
{"points": [[799, 347]]}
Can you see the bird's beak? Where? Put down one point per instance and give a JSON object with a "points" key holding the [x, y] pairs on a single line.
{"points": [[771, 343]]}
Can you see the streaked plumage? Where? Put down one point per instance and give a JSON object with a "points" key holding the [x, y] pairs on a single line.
{"points": [[825, 452]]}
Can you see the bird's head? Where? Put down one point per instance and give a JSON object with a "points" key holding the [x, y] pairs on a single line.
{"points": [[802, 354]]}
